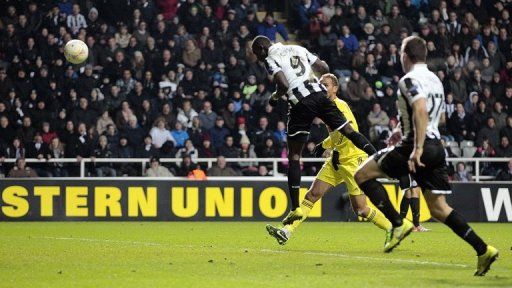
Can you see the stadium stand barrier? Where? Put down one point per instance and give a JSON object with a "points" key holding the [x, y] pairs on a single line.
{"points": [[275, 161]]}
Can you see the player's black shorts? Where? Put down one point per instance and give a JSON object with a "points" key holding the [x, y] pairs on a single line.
{"points": [[432, 177], [315, 105]]}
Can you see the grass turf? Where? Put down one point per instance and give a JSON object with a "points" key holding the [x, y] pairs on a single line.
{"points": [[231, 254]]}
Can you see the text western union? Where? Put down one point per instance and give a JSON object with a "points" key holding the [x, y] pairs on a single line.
{"points": [[107, 201]]}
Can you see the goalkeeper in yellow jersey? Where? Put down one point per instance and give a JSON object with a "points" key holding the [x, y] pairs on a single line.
{"points": [[338, 168]]}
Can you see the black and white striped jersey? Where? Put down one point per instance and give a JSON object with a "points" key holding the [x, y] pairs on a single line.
{"points": [[420, 83], [295, 62]]}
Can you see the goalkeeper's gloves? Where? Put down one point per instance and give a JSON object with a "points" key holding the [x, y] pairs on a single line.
{"points": [[335, 159], [273, 99]]}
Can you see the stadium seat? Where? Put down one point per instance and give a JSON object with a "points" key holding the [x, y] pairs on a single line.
{"points": [[452, 144], [456, 151], [467, 143], [468, 151]]}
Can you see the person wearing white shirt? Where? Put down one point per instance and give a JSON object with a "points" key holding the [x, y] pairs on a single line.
{"points": [[76, 21], [161, 134]]}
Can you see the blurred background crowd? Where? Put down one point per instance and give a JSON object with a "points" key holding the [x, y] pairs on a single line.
{"points": [[177, 79]]}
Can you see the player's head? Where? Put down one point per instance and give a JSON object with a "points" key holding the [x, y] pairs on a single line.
{"points": [[330, 81], [414, 50], [260, 46]]}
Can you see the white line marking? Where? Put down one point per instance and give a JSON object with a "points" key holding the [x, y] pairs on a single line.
{"points": [[339, 255]]}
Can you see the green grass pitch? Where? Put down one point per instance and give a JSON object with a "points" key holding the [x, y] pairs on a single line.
{"points": [[235, 254]]}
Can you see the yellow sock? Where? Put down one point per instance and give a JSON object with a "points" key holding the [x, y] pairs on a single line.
{"points": [[306, 207], [377, 218]]}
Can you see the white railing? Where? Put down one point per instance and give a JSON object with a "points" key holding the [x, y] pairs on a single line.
{"points": [[210, 161]]}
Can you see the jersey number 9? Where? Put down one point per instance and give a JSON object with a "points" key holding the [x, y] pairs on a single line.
{"points": [[296, 65]]}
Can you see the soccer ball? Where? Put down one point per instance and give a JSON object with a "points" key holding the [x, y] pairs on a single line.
{"points": [[76, 51]]}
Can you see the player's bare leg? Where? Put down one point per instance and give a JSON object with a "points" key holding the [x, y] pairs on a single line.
{"points": [[366, 178], [294, 177], [315, 193], [441, 211]]}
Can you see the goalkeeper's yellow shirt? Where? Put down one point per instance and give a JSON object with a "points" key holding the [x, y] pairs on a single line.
{"points": [[337, 141]]}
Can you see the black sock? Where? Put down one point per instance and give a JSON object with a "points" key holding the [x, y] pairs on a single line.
{"points": [[415, 209], [294, 175], [361, 142], [379, 197], [404, 206], [459, 225]]}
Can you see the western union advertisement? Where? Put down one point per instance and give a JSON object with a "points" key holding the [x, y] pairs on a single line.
{"points": [[163, 200]]}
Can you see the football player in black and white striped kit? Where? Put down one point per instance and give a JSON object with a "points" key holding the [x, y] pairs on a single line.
{"points": [[421, 154], [293, 68]]}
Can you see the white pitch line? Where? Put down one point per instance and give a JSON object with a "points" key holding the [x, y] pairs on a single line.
{"points": [[339, 255]]}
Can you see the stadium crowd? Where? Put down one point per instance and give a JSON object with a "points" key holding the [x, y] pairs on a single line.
{"points": [[177, 79]]}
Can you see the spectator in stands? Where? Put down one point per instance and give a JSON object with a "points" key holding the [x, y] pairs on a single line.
{"points": [[504, 149], [356, 87], [462, 174], [56, 151], [179, 134], [378, 121], [160, 134], [147, 149], [397, 21], [103, 150], [270, 28], [191, 54], [21, 170], [125, 150], [350, 41], [263, 171], [458, 86], [218, 133], [39, 150], [76, 21], [6, 130], [187, 166], [247, 151], [206, 150], [221, 169], [460, 124], [499, 115], [156, 170], [505, 174], [280, 134], [228, 150], [207, 116], [481, 114], [486, 151], [507, 130], [189, 150], [489, 131], [103, 122], [262, 133], [186, 114], [26, 132], [340, 59], [475, 52]]}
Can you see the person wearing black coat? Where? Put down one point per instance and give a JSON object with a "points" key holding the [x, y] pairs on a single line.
{"points": [[460, 124], [146, 150], [39, 150]]}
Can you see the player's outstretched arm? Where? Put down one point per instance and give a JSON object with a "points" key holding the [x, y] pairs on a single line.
{"points": [[358, 139], [320, 67]]}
